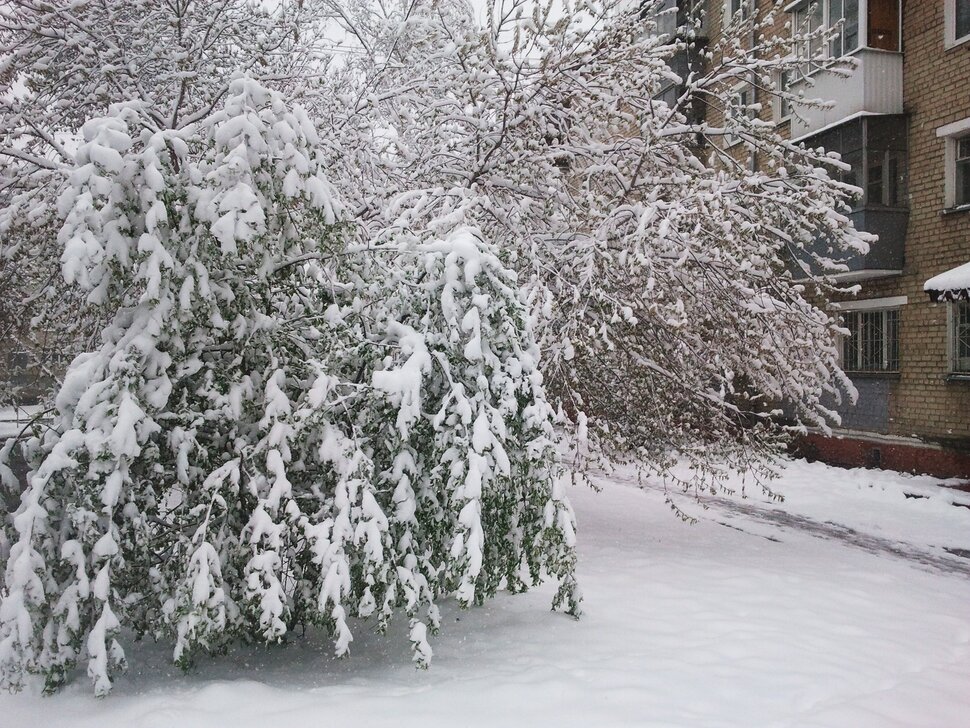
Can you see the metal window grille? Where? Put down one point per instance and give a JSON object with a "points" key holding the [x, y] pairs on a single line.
{"points": [[961, 336], [873, 341]]}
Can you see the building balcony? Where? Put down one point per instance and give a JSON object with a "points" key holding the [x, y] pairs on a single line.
{"points": [[866, 32], [874, 86], [876, 150]]}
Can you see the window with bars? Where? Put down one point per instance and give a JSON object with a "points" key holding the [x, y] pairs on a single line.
{"points": [[873, 341], [961, 337]]}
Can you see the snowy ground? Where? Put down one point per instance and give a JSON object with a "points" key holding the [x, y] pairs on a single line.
{"points": [[848, 605]]}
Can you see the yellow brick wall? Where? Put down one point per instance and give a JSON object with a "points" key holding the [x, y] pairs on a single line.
{"points": [[936, 91]]}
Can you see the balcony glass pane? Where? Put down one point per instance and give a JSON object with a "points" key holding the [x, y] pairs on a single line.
{"points": [[874, 178], [883, 20], [886, 162], [844, 14], [851, 31], [854, 175], [851, 136], [896, 178], [886, 133]]}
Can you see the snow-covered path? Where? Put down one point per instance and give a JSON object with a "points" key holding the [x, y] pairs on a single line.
{"points": [[848, 605]]}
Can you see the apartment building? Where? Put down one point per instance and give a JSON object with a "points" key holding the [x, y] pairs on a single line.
{"points": [[901, 119]]}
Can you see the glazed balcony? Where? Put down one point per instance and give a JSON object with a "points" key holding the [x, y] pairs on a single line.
{"points": [[875, 148]]}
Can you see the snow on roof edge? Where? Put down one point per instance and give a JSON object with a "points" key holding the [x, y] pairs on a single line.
{"points": [[953, 279]]}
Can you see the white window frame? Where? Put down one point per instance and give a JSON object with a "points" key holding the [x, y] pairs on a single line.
{"points": [[779, 103], [950, 26], [745, 7], [729, 139], [957, 366], [826, 22], [951, 134], [862, 39], [798, 49]]}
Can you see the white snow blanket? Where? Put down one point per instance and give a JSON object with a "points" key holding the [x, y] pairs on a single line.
{"points": [[845, 606], [951, 280]]}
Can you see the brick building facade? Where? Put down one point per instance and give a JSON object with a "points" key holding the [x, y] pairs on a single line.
{"points": [[901, 119]]}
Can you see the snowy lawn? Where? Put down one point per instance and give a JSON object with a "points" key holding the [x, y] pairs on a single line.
{"points": [[848, 605]]}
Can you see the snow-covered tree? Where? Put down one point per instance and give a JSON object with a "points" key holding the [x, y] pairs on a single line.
{"points": [[279, 428], [664, 250], [63, 63]]}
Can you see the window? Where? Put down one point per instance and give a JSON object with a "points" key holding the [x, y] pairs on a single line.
{"points": [[690, 13], [886, 168], [783, 105], [738, 9], [662, 16], [739, 105], [875, 149], [957, 16], [873, 341], [961, 170], [962, 19], [841, 16], [845, 15], [808, 21], [956, 158], [960, 316], [883, 22]]}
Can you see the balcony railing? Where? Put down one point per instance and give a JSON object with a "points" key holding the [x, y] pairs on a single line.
{"points": [[874, 86]]}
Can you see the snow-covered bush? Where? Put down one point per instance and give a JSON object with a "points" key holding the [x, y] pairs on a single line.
{"points": [[280, 427]]}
